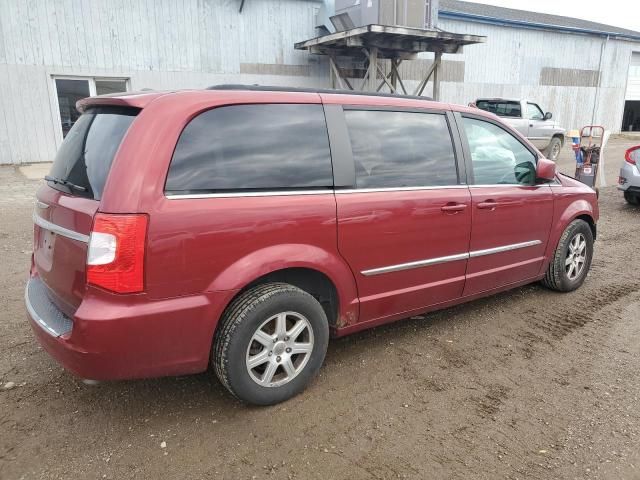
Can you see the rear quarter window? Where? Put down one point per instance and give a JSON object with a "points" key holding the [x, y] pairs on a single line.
{"points": [[252, 148], [501, 108], [87, 152]]}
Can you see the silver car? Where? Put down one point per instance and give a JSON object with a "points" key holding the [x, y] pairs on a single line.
{"points": [[629, 179], [528, 118]]}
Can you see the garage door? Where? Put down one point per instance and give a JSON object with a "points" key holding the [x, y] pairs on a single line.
{"points": [[633, 84]]}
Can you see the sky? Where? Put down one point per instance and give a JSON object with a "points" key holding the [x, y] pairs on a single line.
{"points": [[619, 13]]}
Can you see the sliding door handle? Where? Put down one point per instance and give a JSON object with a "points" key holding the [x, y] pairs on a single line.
{"points": [[453, 207], [488, 205]]}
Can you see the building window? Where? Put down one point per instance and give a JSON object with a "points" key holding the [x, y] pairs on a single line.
{"points": [[71, 89]]}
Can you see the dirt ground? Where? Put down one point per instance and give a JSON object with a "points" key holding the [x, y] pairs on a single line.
{"points": [[529, 384]]}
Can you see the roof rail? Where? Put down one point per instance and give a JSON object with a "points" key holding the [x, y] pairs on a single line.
{"points": [[272, 88]]}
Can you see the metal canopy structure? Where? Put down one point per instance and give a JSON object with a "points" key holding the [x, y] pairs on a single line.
{"points": [[375, 44]]}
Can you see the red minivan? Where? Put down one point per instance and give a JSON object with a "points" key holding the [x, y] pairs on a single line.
{"points": [[238, 227]]}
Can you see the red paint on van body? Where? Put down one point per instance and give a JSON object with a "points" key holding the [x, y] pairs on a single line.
{"points": [[201, 252]]}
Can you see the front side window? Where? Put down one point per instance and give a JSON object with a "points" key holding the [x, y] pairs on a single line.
{"points": [[534, 112], [497, 156], [502, 108], [252, 148], [401, 149]]}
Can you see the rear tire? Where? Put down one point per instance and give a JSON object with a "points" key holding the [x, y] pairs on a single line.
{"points": [[270, 343], [552, 152], [631, 198], [572, 259]]}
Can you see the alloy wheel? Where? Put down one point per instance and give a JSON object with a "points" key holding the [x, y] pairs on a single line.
{"points": [[576, 256], [279, 349]]}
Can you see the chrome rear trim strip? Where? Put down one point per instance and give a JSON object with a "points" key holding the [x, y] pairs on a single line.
{"points": [[418, 264], [505, 248], [57, 229], [449, 258]]}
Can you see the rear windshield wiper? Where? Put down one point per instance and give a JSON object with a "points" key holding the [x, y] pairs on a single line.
{"points": [[66, 183]]}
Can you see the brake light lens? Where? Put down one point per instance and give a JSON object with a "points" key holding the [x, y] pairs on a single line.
{"points": [[115, 258], [632, 155]]}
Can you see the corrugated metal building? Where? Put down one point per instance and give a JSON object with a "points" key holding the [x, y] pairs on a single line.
{"points": [[53, 52], [583, 72]]}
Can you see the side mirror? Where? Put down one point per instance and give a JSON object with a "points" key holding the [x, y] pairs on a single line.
{"points": [[548, 115], [545, 170]]}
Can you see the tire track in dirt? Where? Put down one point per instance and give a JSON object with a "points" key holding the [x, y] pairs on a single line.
{"points": [[584, 309]]}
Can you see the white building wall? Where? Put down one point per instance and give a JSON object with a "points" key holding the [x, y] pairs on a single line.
{"points": [[171, 44], [511, 61], [159, 44]]}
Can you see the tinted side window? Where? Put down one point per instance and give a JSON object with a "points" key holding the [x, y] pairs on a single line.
{"points": [[497, 156], [252, 147], [401, 149], [501, 108]]}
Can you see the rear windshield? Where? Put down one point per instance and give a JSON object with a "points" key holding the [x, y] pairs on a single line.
{"points": [[85, 156], [501, 108]]}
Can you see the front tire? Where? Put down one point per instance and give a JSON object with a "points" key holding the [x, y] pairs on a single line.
{"points": [[271, 342], [631, 198], [572, 259], [552, 152]]}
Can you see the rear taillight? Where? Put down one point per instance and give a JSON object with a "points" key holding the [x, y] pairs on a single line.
{"points": [[632, 155], [115, 258]]}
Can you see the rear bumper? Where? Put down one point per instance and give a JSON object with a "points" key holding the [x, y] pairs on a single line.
{"points": [[114, 337], [629, 178]]}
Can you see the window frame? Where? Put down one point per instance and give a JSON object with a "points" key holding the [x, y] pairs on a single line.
{"points": [[539, 109], [55, 106], [342, 153], [270, 192], [458, 116]]}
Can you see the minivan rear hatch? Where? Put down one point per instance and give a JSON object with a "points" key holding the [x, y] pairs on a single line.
{"points": [[66, 205]]}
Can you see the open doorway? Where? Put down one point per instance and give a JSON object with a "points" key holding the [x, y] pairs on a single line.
{"points": [[631, 116]]}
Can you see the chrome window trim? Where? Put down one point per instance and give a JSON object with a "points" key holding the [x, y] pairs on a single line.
{"points": [[397, 189], [504, 248], [274, 193], [57, 229], [448, 258], [508, 185], [277, 193]]}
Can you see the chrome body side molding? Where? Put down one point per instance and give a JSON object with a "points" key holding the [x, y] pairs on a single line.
{"points": [[449, 258]]}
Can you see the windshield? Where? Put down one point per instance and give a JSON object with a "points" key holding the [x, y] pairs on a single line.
{"points": [[85, 156]]}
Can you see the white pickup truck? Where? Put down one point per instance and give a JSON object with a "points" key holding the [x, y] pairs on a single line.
{"points": [[528, 118]]}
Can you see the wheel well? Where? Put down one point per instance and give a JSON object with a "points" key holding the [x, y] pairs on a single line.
{"points": [[560, 136], [591, 223], [315, 283]]}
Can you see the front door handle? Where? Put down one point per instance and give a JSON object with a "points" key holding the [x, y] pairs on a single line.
{"points": [[488, 205], [453, 207]]}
